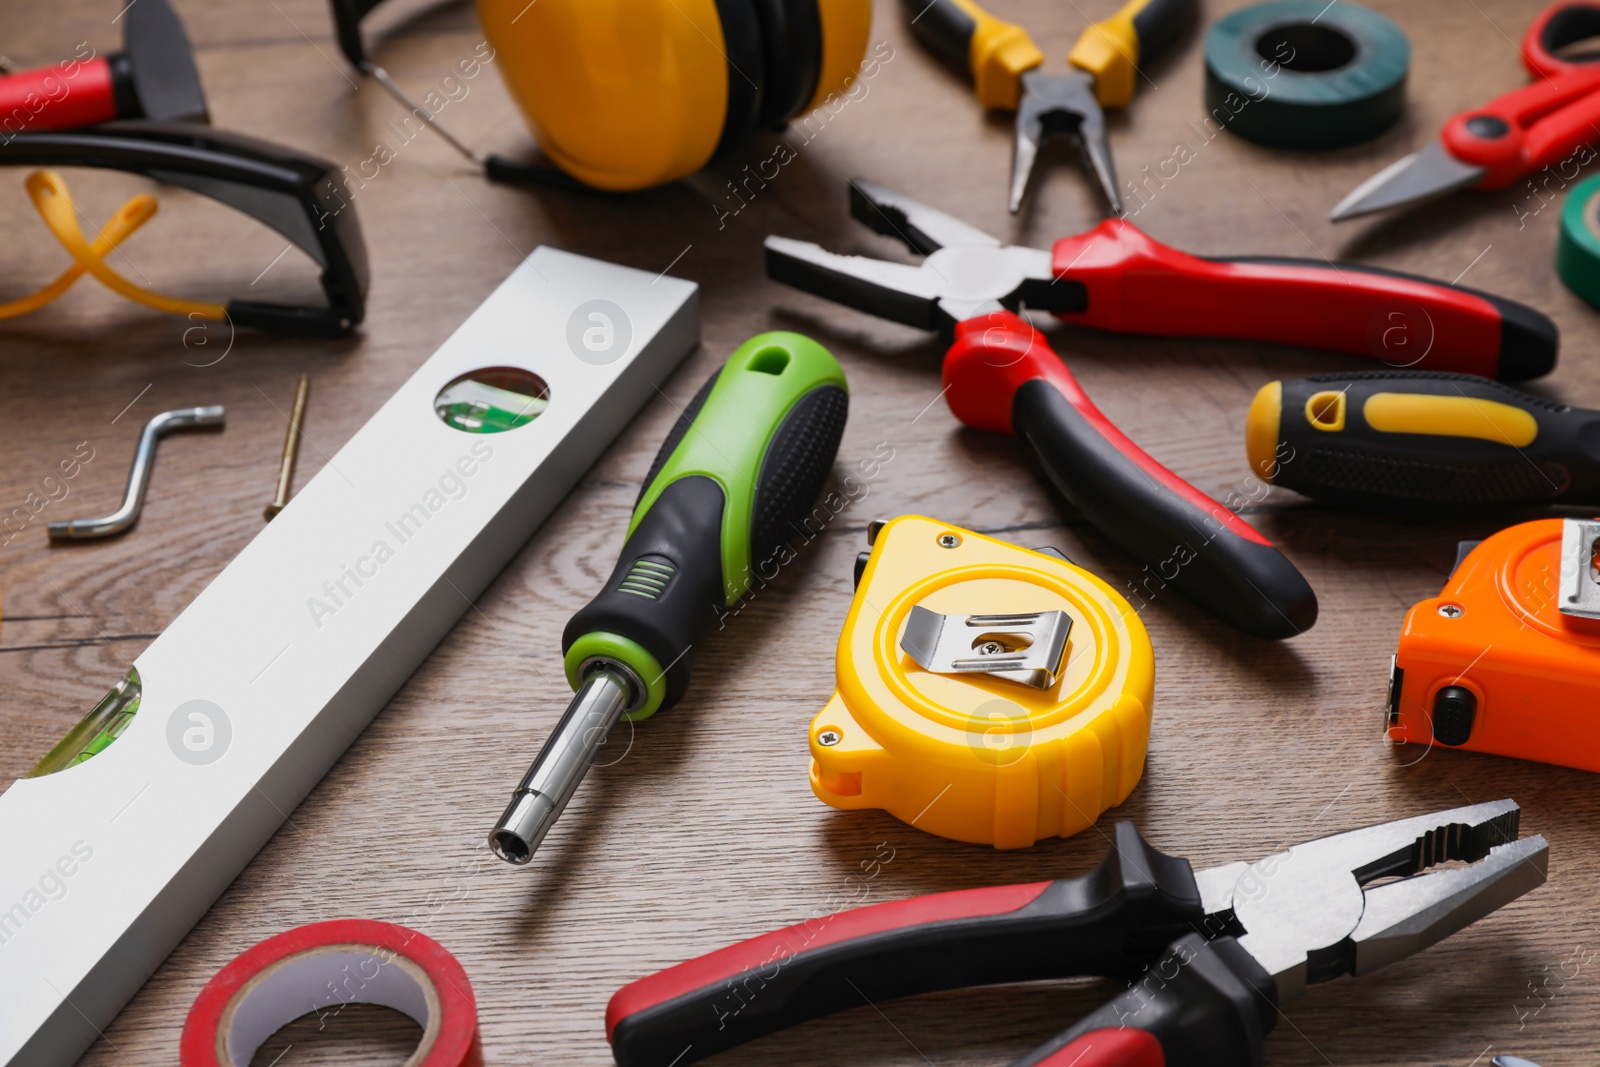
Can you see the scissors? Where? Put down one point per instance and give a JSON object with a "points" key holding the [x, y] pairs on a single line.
{"points": [[1544, 123]]}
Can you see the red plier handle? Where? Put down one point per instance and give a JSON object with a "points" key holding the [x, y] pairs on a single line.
{"points": [[1002, 375], [1546, 122], [1189, 1000], [1132, 283]]}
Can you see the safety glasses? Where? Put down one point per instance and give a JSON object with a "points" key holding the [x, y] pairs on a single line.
{"points": [[296, 195]]}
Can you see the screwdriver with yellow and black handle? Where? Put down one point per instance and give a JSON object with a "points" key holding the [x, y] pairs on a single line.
{"points": [[1422, 441], [732, 482], [1004, 63]]}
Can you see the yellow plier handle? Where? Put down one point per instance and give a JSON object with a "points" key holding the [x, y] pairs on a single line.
{"points": [[1111, 50], [996, 52], [993, 51]]}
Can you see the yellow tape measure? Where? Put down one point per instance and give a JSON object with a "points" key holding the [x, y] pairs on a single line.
{"points": [[986, 693]]}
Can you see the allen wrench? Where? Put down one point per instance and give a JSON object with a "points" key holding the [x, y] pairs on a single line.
{"points": [[144, 458]]}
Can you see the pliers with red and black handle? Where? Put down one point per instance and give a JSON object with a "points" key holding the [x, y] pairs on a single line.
{"points": [[1209, 956], [1003, 376]]}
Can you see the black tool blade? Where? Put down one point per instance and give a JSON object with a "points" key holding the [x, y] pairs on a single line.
{"points": [[162, 64]]}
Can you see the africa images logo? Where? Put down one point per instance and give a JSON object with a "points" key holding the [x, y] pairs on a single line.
{"points": [[52, 884]]}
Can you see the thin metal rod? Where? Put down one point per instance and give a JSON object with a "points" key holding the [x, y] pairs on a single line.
{"points": [[420, 111], [291, 448], [561, 764], [144, 458]]}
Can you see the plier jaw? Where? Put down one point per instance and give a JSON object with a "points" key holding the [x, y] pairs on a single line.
{"points": [[966, 273], [1311, 914], [922, 229], [1061, 105], [1005, 67]]}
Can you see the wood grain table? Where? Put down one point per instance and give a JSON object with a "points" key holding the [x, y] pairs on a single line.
{"points": [[705, 831]]}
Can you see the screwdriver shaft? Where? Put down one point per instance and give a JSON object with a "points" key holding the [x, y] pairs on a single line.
{"points": [[561, 764]]}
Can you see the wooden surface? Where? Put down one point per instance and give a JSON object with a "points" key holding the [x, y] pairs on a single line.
{"points": [[706, 831]]}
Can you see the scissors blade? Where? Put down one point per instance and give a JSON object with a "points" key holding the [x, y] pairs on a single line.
{"points": [[1422, 175]]}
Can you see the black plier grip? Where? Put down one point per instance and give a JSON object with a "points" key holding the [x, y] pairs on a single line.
{"points": [[1208, 956], [1113, 922]]}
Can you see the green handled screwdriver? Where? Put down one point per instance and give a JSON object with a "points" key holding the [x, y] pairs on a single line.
{"points": [[732, 482], [1423, 441]]}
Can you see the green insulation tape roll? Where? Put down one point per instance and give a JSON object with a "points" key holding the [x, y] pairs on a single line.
{"points": [[1306, 73], [1578, 247]]}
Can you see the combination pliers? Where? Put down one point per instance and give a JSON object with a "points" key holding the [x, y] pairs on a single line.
{"points": [[1208, 956]]}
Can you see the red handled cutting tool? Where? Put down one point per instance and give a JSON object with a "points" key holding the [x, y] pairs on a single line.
{"points": [[153, 77], [1003, 376], [1210, 956], [1540, 125]]}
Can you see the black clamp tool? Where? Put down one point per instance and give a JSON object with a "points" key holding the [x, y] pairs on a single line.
{"points": [[1209, 956]]}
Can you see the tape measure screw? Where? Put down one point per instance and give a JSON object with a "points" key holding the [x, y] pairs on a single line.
{"points": [[992, 648], [828, 738], [1451, 611], [948, 540]]}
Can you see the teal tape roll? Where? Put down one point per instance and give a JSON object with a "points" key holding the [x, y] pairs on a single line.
{"points": [[1306, 73], [1578, 246]]}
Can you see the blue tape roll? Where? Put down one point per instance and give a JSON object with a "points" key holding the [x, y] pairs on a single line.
{"points": [[1306, 73]]}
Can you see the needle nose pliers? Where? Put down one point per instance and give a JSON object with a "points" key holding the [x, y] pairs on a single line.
{"points": [[1209, 956], [1005, 67], [1001, 374]]}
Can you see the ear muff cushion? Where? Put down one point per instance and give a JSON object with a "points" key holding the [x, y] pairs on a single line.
{"points": [[846, 25], [626, 94], [747, 73], [791, 37]]}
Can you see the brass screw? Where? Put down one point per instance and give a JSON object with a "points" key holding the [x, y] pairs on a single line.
{"points": [[291, 447]]}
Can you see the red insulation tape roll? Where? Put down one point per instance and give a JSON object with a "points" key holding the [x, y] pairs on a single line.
{"points": [[326, 965]]}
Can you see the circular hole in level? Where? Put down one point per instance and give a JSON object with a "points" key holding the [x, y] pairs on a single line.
{"points": [[1306, 47], [492, 400]]}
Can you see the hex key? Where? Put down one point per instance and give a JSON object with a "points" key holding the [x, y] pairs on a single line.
{"points": [[144, 457]]}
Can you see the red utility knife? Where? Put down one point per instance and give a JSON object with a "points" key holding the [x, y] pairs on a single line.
{"points": [[1550, 121]]}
